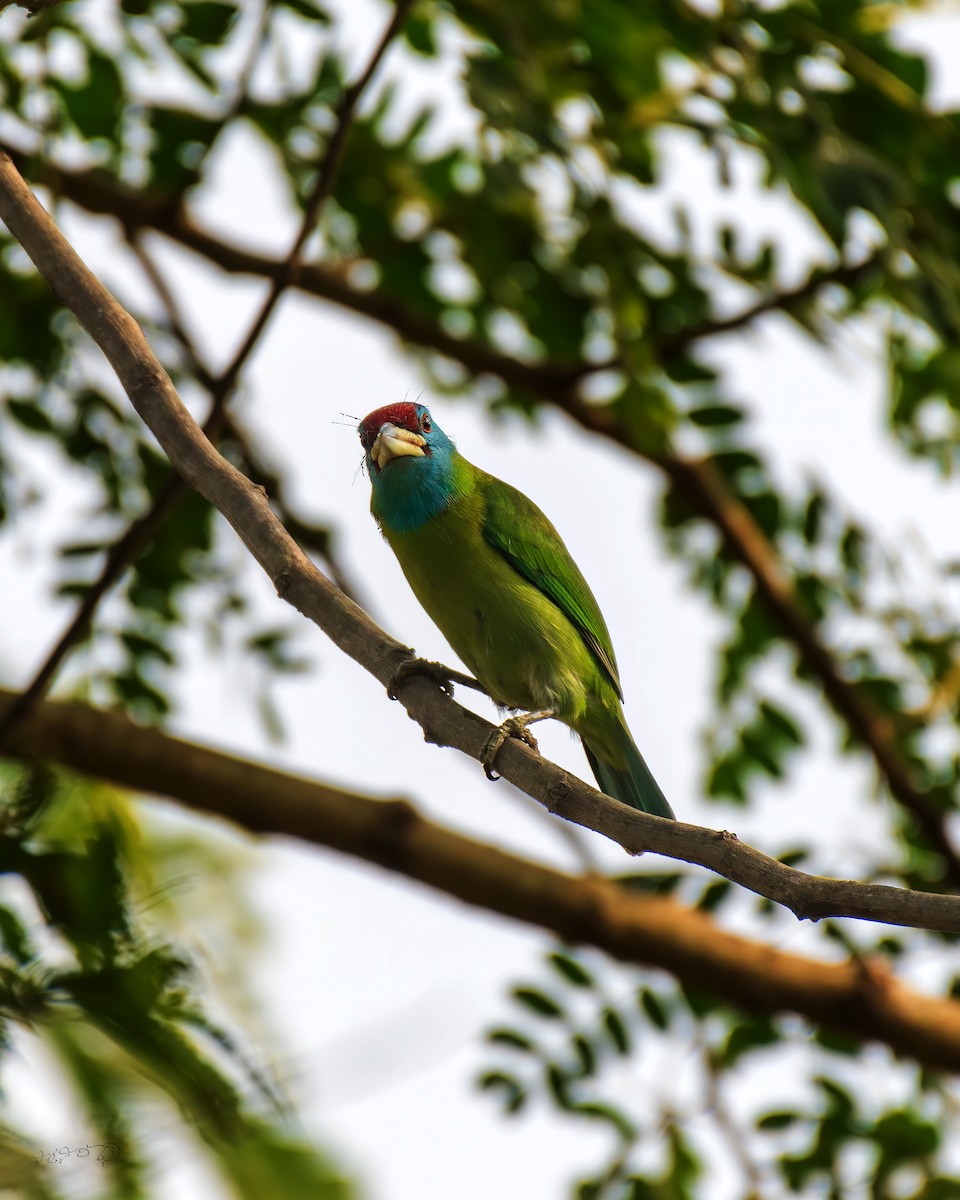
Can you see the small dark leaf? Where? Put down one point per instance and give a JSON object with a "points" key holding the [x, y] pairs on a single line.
{"points": [[14, 936], [714, 894], [310, 9], [558, 1084], [207, 21], [510, 1037], [572, 970], [656, 882], [613, 1116], [513, 1093], [81, 549], [616, 1029], [778, 1120], [792, 857], [654, 1008], [586, 1056], [420, 32], [716, 414], [538, 1002], [903, 1136], [30, 416], [750, 1034]]}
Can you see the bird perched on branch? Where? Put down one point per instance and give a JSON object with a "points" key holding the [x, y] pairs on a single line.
{"points": [[496, 578]]}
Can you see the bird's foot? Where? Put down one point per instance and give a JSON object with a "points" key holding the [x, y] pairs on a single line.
{"points": [[442, 676], [513, 727]]}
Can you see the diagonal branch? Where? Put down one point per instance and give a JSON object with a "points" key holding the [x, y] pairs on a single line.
{"points": [[298, 581], [128, 548], [556, 382], [857, 998], [312, 536]]}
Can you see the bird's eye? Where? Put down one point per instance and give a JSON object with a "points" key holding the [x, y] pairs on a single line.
{"points": [[425, 423]]}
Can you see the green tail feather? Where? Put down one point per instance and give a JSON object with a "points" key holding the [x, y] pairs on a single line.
{"points": [[633, 784]]}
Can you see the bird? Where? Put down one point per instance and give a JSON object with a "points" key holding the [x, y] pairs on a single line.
{"points": [[495, 577]]}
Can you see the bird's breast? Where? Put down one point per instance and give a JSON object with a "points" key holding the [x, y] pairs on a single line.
{"points": [[515, 640]]}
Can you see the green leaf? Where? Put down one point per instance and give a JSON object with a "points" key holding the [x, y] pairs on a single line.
{"points": [[653, 1007], [30, 416], [778, 1120], [616, 1029], [512, 1038], [538, 1002], [207, 21], [558, 1084], [585, 1054], [903, 1136], [611, 1115], [572, 970], [513, 1094], [95, 106], [781, 723], [14, 936], [420, 34], [714, 894], [715, 415], [310, 9], [751, 1034], [143, 647]]}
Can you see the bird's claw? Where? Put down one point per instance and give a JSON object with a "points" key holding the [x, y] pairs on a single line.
{"points": [[440, 675], [513, 727]]}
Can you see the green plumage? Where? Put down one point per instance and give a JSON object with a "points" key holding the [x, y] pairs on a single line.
{"points": [[495, 576]]}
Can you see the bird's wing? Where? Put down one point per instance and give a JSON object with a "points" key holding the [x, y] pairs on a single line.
{"points": [[518, 530]]}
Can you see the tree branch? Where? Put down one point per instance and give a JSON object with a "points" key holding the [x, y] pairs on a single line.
{"points": [[858, 998], [298, 581], [788, 301], [557, 383], [129, 547]]}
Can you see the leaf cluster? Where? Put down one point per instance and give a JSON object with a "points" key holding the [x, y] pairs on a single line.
{"points": [[118, 1006]]}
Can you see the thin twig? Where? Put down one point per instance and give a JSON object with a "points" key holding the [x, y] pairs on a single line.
{"points": [[326, 177], [786, 301], [715, 1103]]}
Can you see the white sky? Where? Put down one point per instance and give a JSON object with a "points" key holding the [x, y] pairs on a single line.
{"points": [[376, 989]]}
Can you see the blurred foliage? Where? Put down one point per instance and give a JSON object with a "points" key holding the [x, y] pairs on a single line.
{"points": [[100, 944], [541, 221], [568, 1043]]}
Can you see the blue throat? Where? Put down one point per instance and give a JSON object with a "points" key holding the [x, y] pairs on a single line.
{"points": [[408, 492]]}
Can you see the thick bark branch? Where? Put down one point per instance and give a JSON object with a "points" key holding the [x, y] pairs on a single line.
{"points": [[444, 722], [860, 999], [102, 744]]}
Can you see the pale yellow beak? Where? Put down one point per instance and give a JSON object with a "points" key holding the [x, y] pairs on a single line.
{"points": [[394, 442]]}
